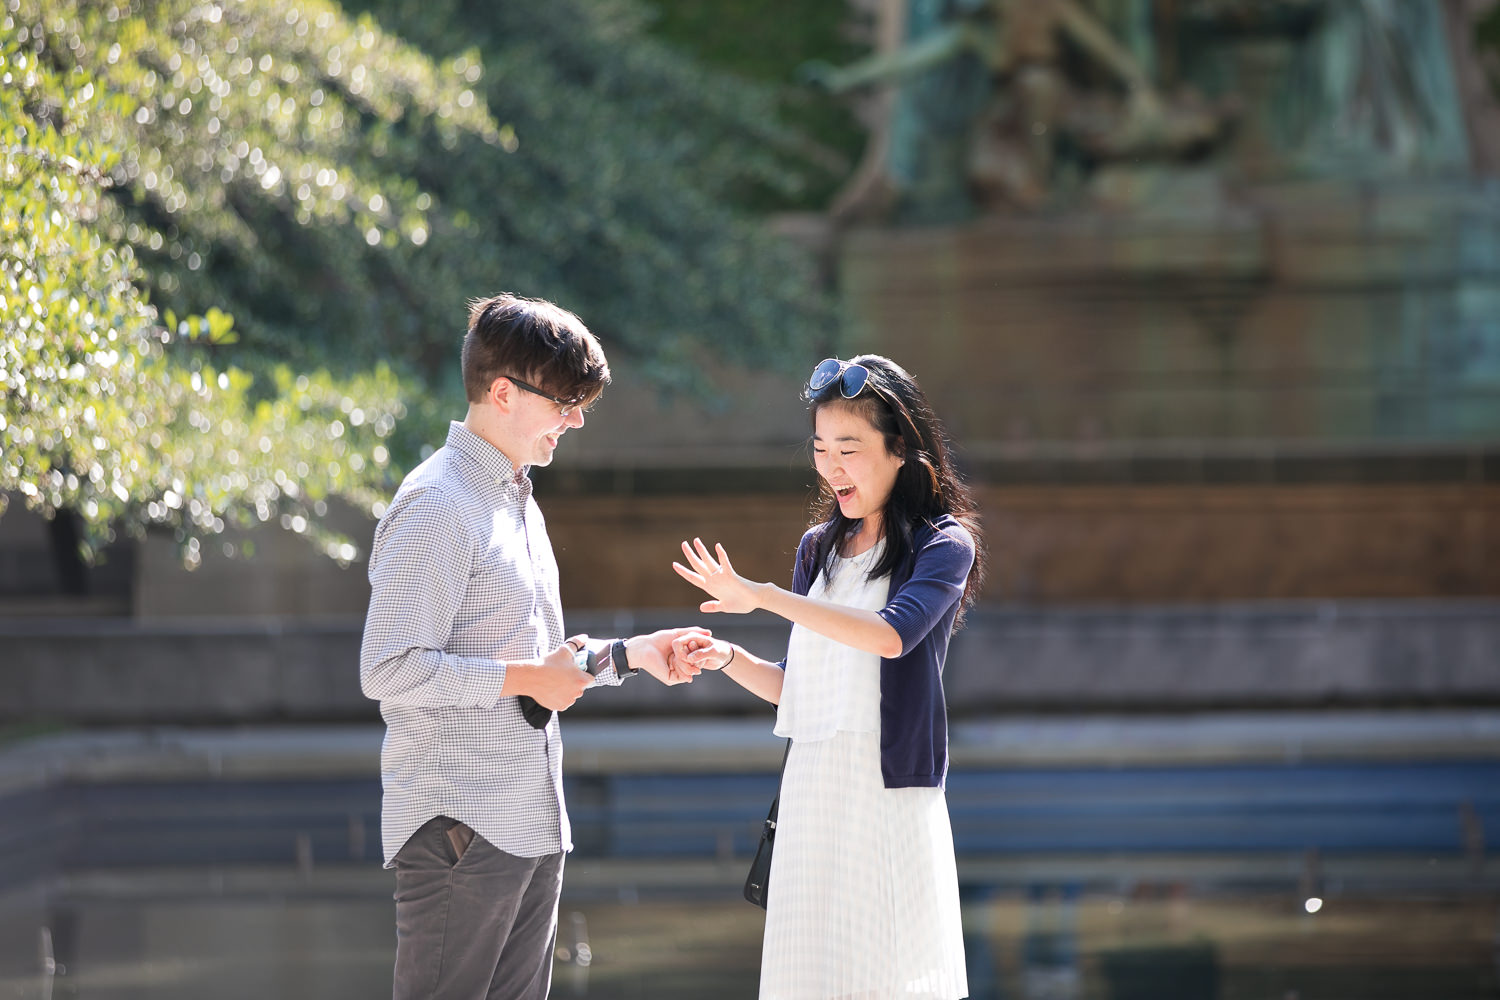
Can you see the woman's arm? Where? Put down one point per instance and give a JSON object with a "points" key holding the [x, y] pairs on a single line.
{"points": [[733, 594], [700, 651]]}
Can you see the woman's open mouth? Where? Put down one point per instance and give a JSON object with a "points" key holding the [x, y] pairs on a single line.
{"points": [[843, 492]]}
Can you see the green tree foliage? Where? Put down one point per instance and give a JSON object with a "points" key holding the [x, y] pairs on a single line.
{"points": [[627, 161], [1487, 41], [342, 195], [104, 411], [771, 41]]}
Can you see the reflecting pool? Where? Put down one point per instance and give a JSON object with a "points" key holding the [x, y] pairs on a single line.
{"points": [[680, 931], [225, 865]]}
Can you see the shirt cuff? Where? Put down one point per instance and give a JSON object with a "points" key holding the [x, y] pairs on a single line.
{"points": [[605, 675]]}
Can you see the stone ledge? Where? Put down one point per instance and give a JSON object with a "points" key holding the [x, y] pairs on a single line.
{"points": [[1309, 654]]}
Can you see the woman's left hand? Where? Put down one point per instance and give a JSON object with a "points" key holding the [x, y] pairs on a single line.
{"points": [[732, 593], [701, 651]]}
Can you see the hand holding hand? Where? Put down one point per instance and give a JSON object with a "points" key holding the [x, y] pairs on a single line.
{"points": [[655, 654], [732, 593], [702, 651]]}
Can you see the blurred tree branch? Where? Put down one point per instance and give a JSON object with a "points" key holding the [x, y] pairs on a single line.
{"points": [[318, 200]]}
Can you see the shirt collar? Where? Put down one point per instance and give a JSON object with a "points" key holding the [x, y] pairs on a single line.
{"points": [[492, 464]]}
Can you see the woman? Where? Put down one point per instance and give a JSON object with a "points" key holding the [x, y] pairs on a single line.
{"points": [[864, 892]]}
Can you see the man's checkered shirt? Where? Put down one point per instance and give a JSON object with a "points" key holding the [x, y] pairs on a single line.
{"points": [[462, 580]]}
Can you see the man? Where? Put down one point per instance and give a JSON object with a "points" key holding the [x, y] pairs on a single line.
{"points": [[464, 635]]}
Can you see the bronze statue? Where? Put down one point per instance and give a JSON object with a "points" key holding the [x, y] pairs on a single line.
{"points": [[1028, 104], [1034, 104]]}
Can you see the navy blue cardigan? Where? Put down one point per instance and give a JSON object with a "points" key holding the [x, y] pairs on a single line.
{"points": [[924, 599]]}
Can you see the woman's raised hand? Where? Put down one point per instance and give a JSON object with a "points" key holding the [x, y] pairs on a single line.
{"points": [[732, 593]]}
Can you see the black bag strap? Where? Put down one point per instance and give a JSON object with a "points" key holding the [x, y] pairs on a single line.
{"points": [[776, 802]]}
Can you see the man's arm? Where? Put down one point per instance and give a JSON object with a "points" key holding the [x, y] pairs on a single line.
{"points": [[419, 572], [651, 654], [419, 569]]}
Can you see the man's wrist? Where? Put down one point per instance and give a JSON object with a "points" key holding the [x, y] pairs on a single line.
{"points": [[518, 677], [618, 655]]}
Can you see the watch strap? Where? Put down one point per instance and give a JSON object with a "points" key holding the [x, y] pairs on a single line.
{"points": [[619, 658]]}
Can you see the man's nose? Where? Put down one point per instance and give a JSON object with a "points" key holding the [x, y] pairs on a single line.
{"points": [[575, 419]]}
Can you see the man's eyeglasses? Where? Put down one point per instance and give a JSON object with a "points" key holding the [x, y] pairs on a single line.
{"points": [[851, 377], [568, 405]]}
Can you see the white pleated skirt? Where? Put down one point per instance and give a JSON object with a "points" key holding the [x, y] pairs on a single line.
{"points": [[864, 890]]}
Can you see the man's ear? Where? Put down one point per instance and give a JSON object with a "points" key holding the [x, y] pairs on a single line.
{"points": [[501, 394]]}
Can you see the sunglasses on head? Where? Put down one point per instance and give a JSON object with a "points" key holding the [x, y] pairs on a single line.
{"points": [[852, 378]]}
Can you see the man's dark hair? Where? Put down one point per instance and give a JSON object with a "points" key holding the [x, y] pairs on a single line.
{"points": [[532, 340]]}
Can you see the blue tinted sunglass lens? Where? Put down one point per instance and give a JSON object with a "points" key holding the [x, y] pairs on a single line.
{"points": [[828, 369], [853, 382]]}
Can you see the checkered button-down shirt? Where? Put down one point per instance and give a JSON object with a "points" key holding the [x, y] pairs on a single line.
{"points": [[463, 580]]}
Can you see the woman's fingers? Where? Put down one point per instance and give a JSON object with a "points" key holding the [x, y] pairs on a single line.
{"points": [[691, 577], [692, 558], [707, 573], [698, 557], [724, 559], [700, 657], [703, 562], [707, 559], [692, 644]]}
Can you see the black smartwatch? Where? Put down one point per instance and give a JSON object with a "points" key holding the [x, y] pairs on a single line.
{"points": [[619, 659]]}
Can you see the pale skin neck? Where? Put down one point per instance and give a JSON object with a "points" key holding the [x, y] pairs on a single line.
{"points": [[869, 533], [487, 423]]}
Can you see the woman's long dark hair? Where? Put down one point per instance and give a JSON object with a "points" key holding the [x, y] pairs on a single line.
{"points": [[927, 485]]}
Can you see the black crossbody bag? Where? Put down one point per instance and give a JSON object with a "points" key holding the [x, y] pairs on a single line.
{"points": [[758, 882]]}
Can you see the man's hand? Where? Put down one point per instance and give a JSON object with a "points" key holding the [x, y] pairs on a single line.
{"points": [[554, 681], [698, 649], [654, 654]]}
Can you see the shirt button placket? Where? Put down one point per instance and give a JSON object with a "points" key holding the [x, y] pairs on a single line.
{"points": [[539, 621]]}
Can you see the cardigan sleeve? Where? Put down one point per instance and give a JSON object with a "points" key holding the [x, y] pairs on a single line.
{"points": [[937, 583]]}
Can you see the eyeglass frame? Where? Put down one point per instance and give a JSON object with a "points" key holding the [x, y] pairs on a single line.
{"points": [[568, 405]]}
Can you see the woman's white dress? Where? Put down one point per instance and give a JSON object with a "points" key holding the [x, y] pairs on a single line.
{"points": [[864, 891]]}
